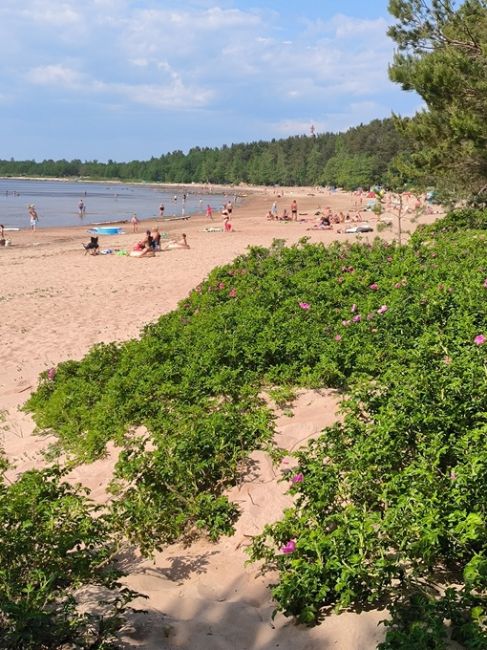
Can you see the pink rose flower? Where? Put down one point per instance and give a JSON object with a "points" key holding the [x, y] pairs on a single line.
{"points": [[51, 374], [374, 286], [354, 308], [232, 293], [304, 305], [289, 547], [480, 339], [485, 283], [357, 318], [338, 337], [298, 478], [221, 285], [382, 309], [398, 285]]}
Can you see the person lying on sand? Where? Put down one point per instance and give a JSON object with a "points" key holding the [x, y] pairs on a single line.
{"points": [[173, 244], [323, 224]]}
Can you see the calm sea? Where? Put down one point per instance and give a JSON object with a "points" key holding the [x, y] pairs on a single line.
{"points": [[57, 202]]}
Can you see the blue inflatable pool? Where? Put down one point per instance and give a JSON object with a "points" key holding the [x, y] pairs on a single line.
{"points": [[107, 230]]}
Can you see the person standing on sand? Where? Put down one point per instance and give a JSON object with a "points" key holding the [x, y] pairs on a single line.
{"points": [[34, 218], [135, 222], [274, 209], [209, 212], [294, 210]]}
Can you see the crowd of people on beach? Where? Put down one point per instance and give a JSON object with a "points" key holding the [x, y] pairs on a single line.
{"points": [[353, 220], [324, 219]]}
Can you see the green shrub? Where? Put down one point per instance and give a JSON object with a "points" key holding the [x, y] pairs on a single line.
{"points": [[52, 543]]}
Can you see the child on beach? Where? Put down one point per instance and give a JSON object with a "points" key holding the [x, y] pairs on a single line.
{"points": [[135, 222], [34, 218]]}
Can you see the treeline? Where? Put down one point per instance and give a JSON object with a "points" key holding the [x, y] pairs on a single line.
{"points": [[358, 157]]}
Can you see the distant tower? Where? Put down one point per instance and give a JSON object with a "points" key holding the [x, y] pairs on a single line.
{"points": [[312, 130]]}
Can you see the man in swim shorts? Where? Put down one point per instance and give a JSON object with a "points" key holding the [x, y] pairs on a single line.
{"points": [[294, 210]]}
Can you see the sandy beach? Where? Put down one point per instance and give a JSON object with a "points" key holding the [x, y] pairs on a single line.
{"points": [[56, 302]]}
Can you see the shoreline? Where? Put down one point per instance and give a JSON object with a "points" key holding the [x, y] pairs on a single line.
{"points": [[222, 188]]}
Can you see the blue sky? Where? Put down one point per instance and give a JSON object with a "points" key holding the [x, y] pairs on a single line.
{"points": [[124, 80]]}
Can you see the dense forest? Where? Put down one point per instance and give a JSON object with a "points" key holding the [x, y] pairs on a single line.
{"points": [[359, 157]]}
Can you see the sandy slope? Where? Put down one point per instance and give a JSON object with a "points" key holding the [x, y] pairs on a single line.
{"points": [[55, 304]]}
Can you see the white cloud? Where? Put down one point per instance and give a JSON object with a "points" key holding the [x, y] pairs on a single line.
{"points": [[140, 63], [346, 27], [49, 12], [55, 75], [172, 94], [341, 27]]}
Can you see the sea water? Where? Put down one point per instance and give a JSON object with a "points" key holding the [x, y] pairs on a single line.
{"points": [[56, 202]]}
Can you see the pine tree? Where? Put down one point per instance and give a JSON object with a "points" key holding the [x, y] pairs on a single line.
{"points": [[442, 55]]}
